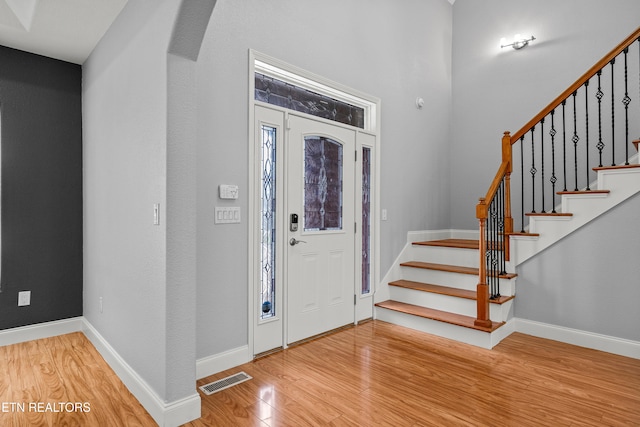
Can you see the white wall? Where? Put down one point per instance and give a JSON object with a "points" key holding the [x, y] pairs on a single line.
{"points": [[135, 156], [495, 89], [394, 50]]}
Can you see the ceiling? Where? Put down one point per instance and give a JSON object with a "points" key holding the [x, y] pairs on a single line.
{"points": [[62, 29]]}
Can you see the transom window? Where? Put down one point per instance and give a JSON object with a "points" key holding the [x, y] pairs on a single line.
{"points": [[277, 92]]}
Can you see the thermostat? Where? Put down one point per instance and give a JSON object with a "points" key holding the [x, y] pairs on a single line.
{"points": [[228, 191]]}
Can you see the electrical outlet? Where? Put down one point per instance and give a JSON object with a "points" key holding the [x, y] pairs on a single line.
{"points": [[24, 298]]}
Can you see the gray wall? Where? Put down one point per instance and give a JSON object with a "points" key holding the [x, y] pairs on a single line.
{"points": [[589, 280], [395, 50], [40, 103], [138, 114], [501, 89]]}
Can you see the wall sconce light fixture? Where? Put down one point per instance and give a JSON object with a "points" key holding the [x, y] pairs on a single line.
{"points": [[518, 42]]}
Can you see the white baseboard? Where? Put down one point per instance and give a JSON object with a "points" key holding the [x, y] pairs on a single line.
{"points": [[171, 414], [40, 330], [580, 338], [220, 362]]}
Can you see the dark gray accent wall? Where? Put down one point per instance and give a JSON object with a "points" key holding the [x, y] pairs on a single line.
{"points": [[40, 104]]}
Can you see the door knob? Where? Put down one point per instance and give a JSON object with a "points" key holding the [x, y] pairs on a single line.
{"points": [[294, 241]]}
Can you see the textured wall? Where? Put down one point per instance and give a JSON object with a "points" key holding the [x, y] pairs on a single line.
{"points": [[495, 89], [394, 50], [40, 103], [589, 280]]}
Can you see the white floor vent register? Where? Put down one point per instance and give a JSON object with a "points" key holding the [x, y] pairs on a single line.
{"points": [[227, 382]]}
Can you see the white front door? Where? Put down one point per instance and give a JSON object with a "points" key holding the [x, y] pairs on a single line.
{"points": [[307, 192], [321, 227]]}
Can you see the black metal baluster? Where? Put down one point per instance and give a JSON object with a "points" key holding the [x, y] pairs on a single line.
{"points": [[553, 178], [497, 253], [626, 100], [494, 268], [599, 95], [533, 171], [575, 140], [542, 162], [491, 268], [522, 182], [487, 254], [503, 266], [613, 116], [494, 251], [586, 107], [564, 144]]}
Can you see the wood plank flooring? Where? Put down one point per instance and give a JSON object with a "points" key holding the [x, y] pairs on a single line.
{"points": [[378, 374], [63, 381], [375, 374]]}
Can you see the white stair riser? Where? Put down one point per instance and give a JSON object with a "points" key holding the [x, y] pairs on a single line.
{"points": [[444, 255], [464, 306], [622, 180], [444, 278], [441, 329], [448, 303], [453, 280]]}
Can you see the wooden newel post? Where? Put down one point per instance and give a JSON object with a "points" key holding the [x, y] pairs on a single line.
{"points": [[482, 315], [508, 218]]}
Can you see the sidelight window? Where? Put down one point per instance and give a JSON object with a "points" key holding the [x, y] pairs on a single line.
{"points": [[268, 223]]}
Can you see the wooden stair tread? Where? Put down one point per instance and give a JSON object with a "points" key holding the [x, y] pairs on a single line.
{"points": [[451, 243], [450, 268], [521, 233], [442, 316], [445, 290], [585, 192], [604, 168], [558, 214]]}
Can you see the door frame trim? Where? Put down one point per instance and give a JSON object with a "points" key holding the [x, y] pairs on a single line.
{"points": [[371, 134]]}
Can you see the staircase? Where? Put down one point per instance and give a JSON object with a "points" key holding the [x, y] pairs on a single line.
{"points": [[433, 287], [442, 285], [435, 293], [614, 185]]}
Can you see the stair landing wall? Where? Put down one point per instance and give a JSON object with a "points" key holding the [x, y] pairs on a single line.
{"points": [[590, 280]]}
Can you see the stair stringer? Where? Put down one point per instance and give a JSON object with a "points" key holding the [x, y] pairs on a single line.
{"points": [[622, 184]]}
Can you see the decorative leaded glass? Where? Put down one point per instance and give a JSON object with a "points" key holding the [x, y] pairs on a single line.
{"points": [[268, 223], [322, 184], [366, 220], [277, 92]]}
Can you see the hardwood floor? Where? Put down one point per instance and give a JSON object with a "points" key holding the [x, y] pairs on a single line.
{"points": [[375, 374], [63, 381]]}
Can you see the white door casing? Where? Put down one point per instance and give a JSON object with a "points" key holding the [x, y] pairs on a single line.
{"points": [[270, 332]]}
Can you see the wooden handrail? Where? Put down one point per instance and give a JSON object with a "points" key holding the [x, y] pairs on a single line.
{"points": [[578, 83], [481, 209], [504, 175]]}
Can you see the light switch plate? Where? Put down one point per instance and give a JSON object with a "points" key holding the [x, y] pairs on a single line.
{"points": [[227, 215]]}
